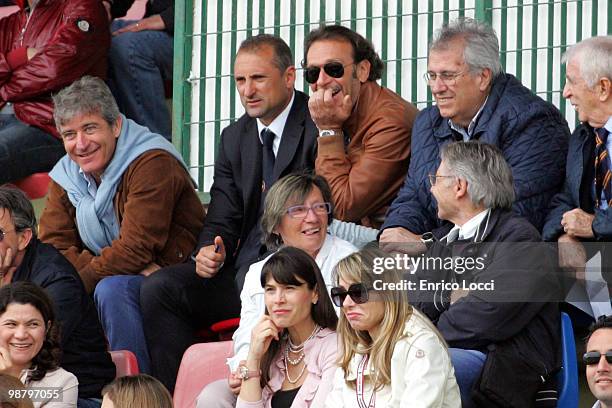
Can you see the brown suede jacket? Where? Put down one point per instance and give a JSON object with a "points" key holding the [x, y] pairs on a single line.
{"points": [[366, 175], [158, 210]]}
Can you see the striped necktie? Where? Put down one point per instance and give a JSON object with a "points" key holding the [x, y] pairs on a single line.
{"points": [[603, 174]]}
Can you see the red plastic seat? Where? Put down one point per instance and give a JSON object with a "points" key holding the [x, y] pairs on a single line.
{"points": [[202, 364], [226, 328], [35, 186], [125, 363]]}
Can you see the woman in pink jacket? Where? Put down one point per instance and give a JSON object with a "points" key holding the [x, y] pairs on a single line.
{"points": [[291, 360]]}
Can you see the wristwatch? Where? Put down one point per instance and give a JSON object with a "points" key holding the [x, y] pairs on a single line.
{"points": [[328, 132], [244, 373]]}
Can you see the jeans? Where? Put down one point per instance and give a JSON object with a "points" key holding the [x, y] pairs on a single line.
{"points": [[139, 63], [118, 301], [25, 149], [468, 364], [175, 303]]}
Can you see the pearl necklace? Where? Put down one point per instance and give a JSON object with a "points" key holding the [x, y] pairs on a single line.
{"points": [[290, 347]]}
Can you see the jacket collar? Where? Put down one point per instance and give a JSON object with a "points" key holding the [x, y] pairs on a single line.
{"points": [[495, 96], [367, 95], [484, 230]]}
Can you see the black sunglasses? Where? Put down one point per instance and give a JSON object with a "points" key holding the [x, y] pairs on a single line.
{"points": [[333, 69], [593, 357], [357, 291]]}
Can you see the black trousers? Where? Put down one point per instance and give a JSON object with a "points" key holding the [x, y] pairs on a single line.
{"points": [[175, 303]]}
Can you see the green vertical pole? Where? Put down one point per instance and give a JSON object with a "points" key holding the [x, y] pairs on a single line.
{"points": [[594, 15], [338, 11], [415, 46], [484, 11], [321, 11], [445, 12], [519, 39], [306, 31], [234, 39], [292, 29], [430, 9], [579, 11], [503, 46], [563, 40], [534, 46], [354, 15], [277, 7], [369, 20], [218, 72], [398, 49], [202, 95], [181, 89], [549, 57], [262, 16], [385, 45], [249, 22]]}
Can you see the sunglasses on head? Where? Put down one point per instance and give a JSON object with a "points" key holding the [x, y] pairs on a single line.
{"points": [[593, 357], [333, 69], [357, 291]]}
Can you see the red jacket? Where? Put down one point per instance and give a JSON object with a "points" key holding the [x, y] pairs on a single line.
{"points": [[72, 39]]}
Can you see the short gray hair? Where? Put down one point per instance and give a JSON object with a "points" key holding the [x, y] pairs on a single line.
{"points": [[85, 96], [594, 56], [290, 190], [19, 207], [487, 173], [481, 46]]}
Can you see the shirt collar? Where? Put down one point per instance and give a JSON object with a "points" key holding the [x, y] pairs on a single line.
{"points": [[608, 125], [278, 124], [467, 134], [467, 230]]}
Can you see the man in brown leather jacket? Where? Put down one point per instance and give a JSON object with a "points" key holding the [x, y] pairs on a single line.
{"points": [[364, 129], [121, 205]]}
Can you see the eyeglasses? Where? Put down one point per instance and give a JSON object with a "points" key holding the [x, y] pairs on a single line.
{"points": [[357, 291], [447, 78], [434, 177], [301, 211], [593, 357], [333, 69], [3, 233]]}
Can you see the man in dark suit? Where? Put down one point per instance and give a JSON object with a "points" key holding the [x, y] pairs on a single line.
{"points": [[275, 137]]}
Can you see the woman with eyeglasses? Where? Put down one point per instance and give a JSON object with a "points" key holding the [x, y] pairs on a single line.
{"points": [[29, 346], [391, 354], [293, 350], [297, 212]]}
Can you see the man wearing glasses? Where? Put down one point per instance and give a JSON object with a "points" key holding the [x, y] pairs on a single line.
{"points": [[498, 291], [364, 129], [475, 100], [598, 361]]}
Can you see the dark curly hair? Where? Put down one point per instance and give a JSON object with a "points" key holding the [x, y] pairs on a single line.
{"points": [[362, 47], [27, 293]]}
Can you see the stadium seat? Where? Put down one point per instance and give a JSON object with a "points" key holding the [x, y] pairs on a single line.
{"points": [[125, 363], [35, 186], [225, 328], [568, 376], [202, 364]]}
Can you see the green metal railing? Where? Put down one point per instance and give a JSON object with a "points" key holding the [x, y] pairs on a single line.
{"points": [[533, 35]]}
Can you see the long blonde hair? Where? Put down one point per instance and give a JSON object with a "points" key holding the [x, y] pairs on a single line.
{"points": [[137, 391], [358, 267]]}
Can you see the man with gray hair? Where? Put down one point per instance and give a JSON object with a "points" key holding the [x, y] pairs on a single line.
{"points": [[475, 100], [503, 288], [582, 210], [121, 205], [24, 258]]}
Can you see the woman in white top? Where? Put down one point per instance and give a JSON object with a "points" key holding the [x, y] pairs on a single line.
{"points": [[297, 212], [391, 355], [29, 346]]}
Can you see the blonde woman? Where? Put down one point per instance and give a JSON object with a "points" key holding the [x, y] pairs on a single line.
{"points": [[136, 391], [390, 354]]}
